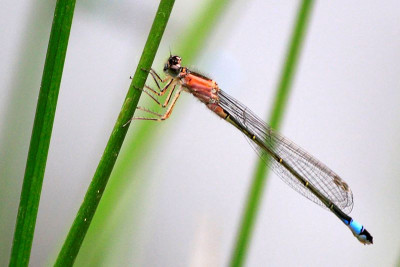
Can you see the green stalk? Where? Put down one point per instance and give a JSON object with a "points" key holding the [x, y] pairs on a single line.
{"points": [[146, 135], [87, 210], [259, 179], [41, 133]]}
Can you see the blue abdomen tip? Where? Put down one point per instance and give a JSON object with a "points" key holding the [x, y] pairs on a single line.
{"points": [[356, 227]]}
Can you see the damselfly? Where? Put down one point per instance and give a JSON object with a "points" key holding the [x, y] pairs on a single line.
{"points": [[292, 164]]}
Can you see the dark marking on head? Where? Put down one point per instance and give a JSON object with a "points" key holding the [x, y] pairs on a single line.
{"points": [[173, 66]]}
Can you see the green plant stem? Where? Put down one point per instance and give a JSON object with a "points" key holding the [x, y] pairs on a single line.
{"points": [[146, 135], [259, 179], [41, 133], [86, 212]]}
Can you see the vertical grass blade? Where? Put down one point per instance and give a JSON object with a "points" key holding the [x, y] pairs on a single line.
{"points": [[17, 115], [41, 133], [93, 195], [258, 183]]}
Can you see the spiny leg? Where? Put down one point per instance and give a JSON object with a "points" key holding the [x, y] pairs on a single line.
{"points": [[162, 117], [167, 113], [172, 105], [149, 111], [156, 77], [152, 97], [168, 97], [163, 90], [167, 100], [155, 99]]}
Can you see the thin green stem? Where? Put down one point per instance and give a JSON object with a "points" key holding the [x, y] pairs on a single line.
{"points": [[41, 133], [259, 179], [146, 135], [93, 195]]}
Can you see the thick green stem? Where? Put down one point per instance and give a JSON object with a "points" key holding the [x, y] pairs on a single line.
{"points": [[258, 184], [93, 195], [41, 133]]}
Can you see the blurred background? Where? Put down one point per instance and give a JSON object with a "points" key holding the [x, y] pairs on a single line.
{"points": [[179, 199]]}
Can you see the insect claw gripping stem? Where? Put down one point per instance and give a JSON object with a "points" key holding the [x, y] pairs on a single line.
{"points": [[145, 70], [126, 123], [138, 88]]}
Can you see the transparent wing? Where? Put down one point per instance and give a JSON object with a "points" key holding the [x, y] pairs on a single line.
{"points": [[315, 172]]}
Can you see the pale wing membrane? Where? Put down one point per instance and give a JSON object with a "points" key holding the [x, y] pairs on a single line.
{"points": [[315, 172]]}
